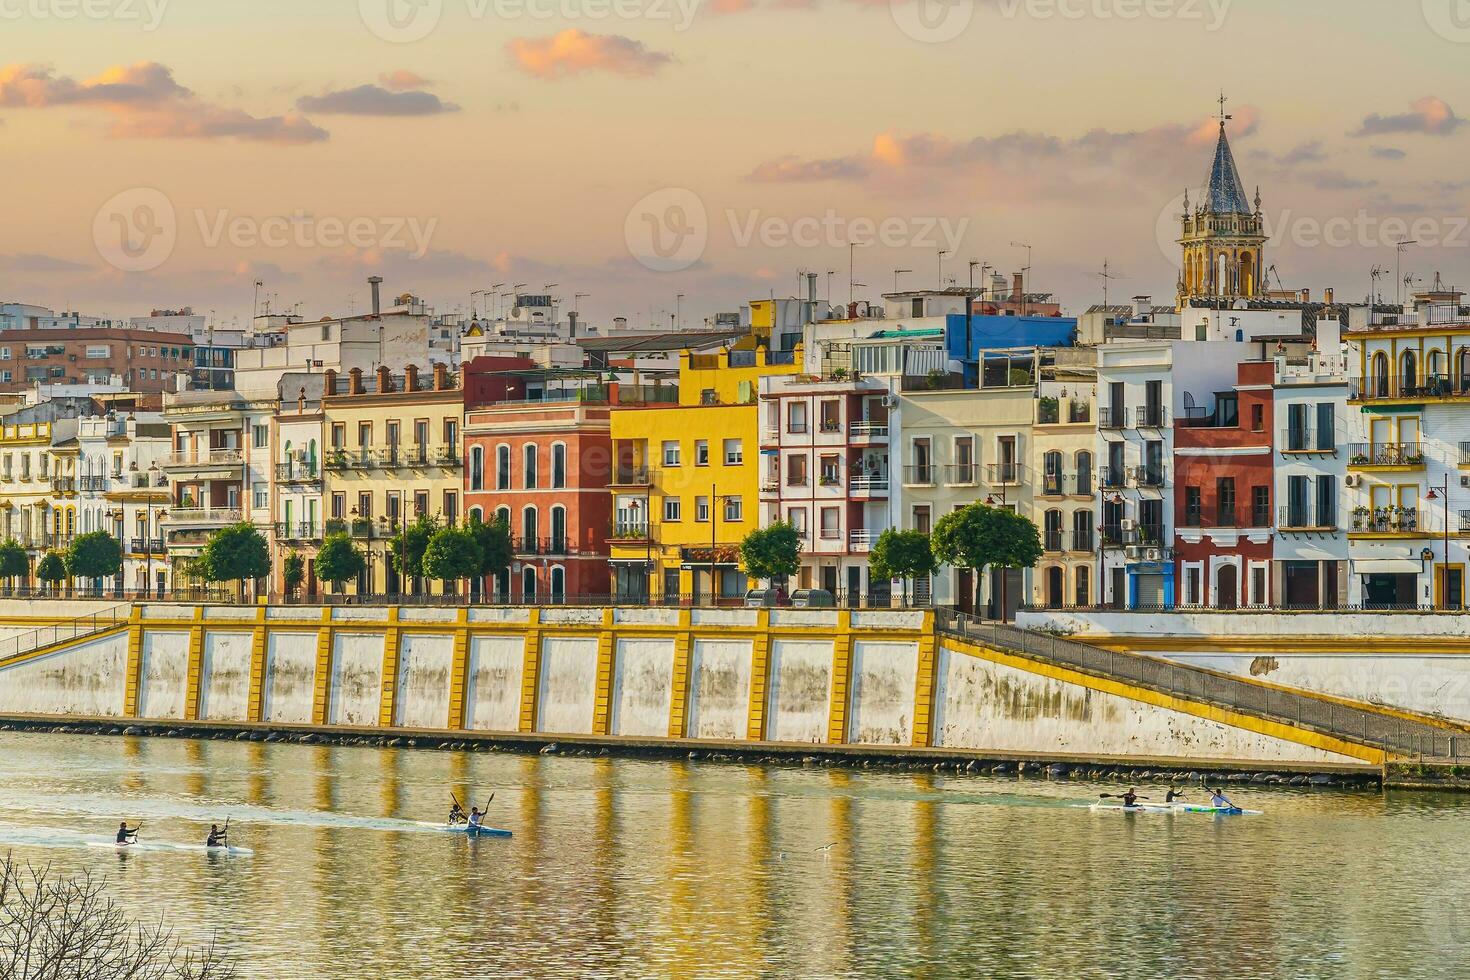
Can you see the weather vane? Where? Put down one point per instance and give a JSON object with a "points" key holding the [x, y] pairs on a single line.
{"points": [[1223, 114]]}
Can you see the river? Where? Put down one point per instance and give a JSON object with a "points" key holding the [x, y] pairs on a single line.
{"points": [[627, 868]]}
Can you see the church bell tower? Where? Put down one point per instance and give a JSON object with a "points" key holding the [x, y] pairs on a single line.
{"points": [[1223, 237]]}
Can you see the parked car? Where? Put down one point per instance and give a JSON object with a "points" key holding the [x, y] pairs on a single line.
{"points": [[813, 599]]}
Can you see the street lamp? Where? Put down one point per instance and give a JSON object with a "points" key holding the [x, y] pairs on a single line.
{"points": [[153, 472], [1434, 493]]}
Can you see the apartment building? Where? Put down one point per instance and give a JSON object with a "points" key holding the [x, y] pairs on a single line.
{"points": [[141, 360], [392, 455], [121, 488], [298, 440], [1063, 464]]}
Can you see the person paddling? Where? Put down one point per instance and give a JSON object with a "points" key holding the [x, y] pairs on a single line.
{"points": [[456, 813], [477, 819], [217, 837], [126, 836], [1129, 799], [1218, 798], [1173, 794]]}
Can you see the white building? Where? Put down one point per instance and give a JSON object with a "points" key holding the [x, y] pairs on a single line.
{"points": [[121, 489]]}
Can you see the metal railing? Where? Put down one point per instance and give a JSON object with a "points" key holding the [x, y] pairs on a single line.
{"points": [[919, 475], [302, 472], [145, 546], [1301, 516], [961, 474], [1151, 477], [1388, 520], [1152, 417], [45, 636], [868, 484], [1004, 474], [1385, 454], [630, 476], [1113, 477], [205, 515], [1345, 721], [868, 430], [1066, 484], [1110, 417], [1304, 439], [213, 457], [1429, 386], [862, 539]]}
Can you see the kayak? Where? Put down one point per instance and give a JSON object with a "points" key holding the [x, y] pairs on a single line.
{"points": [[161, 846], [1223, 811], [460, 828]]}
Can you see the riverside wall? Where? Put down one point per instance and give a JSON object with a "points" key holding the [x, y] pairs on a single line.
{"points": [[879, 679]]}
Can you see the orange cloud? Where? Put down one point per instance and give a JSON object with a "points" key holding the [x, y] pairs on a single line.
{"points": [[573, 52], [403, 80], [1430, 115], [145, 101]]}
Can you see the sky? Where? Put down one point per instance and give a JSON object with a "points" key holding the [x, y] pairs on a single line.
{"points": [[663, 159]]}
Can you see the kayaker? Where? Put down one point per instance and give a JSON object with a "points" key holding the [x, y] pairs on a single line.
{"points": [[1218, 798], [477, 819], [216, 837], [1173, 794], [1131, 798], [456, 814], [126, 836]]}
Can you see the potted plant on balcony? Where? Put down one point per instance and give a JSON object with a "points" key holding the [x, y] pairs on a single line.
{"points": [[1359, 459], [1049, 410], [1360, 514], [839, 374]]}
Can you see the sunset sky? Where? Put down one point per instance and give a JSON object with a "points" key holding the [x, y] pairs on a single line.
{"points": [[514, 138]]}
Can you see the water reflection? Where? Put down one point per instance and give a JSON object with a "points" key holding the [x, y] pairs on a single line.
{"points": [[628, 868]]}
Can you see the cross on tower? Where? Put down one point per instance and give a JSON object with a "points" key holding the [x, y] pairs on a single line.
{"points": [[1223, 114]]}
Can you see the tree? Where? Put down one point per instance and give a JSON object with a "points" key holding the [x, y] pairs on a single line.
{"points": [[53, 926], [338, 561], [51, 569], [452, 553], [980, 537], [406, 549], [95, 555], [494, 541], [771, 552], [234, 554], [293, 572], [13, 561], [902, 555]]}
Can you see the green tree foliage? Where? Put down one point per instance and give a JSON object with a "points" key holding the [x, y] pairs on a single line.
{"points": [[13, 561], [494, 542], [51, 568], [406, 553], [338, 561], [235, 554], [452, 553], [980, 537], [902, 555], [293, 572], [94, 555], [771, 552]]}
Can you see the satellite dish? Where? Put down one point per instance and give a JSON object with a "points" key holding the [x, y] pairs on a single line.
{"points": [[515, 313]]}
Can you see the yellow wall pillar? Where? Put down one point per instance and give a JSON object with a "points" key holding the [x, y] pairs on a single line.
{"points": [[135, 663], [323, 668], [531, 673], [388, 699], [841, 679], [760, 677], [925, 685], [196, 666], [607, 651], [258, 645], [459, 671], [679, 695]]}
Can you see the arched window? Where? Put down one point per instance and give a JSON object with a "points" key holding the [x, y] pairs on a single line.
{"points": [[1434, 369], [1084, 590], [1053, 524], [528, 474], [558, 530], [477, 515], [529, 529], [1084, 473], [502, 516], [311, 454], [502, 467], [558, 583], [559, 466], [1053, 473], [477, 468], [528, 584], [1408, 376], [1380, 375]]}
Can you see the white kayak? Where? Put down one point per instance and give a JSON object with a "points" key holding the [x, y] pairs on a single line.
{"points": [[1177, 808], [164, 846], [460, 828]]}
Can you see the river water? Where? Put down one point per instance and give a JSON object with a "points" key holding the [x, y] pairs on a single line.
{"points": [[624, 868]]}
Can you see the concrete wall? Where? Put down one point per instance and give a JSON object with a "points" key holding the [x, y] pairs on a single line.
{"points": [[425, 661], [643, 689], [357, 679], [719, 689], [883, 680], [568, 693], [165, 675], [493, 691], [290, 678], [800, 699], [54, 684], [224, 680]]}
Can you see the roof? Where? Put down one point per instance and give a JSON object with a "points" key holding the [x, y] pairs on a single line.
{"points": [[666, 341], [1225, 195], [1126, 309], [901, 332]]}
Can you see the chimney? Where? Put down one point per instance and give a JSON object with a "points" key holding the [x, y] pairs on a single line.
{"points": [[572, 319], [1327, 295], [375, 282], [354, 381], [329, 382], [1306, 295], [1142, 306], [1018, 283], [385, 380], [411, 378], [441, 376]]}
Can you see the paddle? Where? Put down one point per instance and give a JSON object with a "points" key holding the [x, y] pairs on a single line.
{"points": [[226, 835]]}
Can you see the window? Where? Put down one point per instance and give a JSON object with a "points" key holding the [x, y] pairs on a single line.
{"points": [[831, 470], [671, 509], [1225, 501], [922, 518], [831, 523], [734, 452], [1082, 530], [1326, 427], [4, 353], [420, 503], [558, 466], [392, 439], [528, 462], [1083, 589], [260, 436], [5, 375], [796, 517], [1326, 501], [1260, 506], [451, 507], [421, 436], [260, 496], [671, 453], [477, 468], [451, 433], [364, 506], [339, 505], [796, 470], [701, 510], [339, 435], [1258, 417], [701, 452], [95, 350], [1084, 474], [502, 467], [796, 417], [831, 415], [364, 434], [734, 508]]}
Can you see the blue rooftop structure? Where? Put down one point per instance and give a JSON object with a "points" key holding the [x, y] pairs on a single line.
{"points": [[990, 331]]}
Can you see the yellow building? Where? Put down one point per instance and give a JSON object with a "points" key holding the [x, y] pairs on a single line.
{"points": [[685, 478], [392, 454], [33, 512]]}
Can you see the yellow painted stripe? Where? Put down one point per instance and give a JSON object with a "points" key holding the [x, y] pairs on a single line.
{"points": [[192, 692], [925, 686], [1210, 712], [760, 678], [51, 648], [392, 649], [679, 680], [323, 668], [607, 651], [459, 681], [258, 646], [841, 680], [135, 665], [531, 673]]}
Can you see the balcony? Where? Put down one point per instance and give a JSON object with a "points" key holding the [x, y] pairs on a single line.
{"points": [[550, 547], [1149, 477], [1054, 542], [1004, 474], [862, 539], [631, 532], [1305, 441], [298, 531], [630, 476], [1152, 417], [1301, 517], [1144, 536], [1113, 477], [303, 471], [1113, 417], [1434, 387], [961, 475], [93, 484], [447, 457], [204, 516], [361, 458], [919, 475], [868, 486], [214, 460], [63, 484], [1066, 485], [1388, 522], [1111, 535], [1386, 456], [868, 432], [146, 546]]}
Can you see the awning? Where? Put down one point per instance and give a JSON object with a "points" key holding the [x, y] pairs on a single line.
{"points": [[1388, 566]]}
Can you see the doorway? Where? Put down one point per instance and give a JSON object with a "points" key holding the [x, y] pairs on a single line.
{"points": [[1056, 587], [1227, 587]]}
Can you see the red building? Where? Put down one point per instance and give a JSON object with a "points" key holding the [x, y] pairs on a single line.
{"points": [[538, 453], [1223, 480]]}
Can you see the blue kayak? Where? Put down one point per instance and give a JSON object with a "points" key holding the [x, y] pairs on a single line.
{"points": [[460, 828]]}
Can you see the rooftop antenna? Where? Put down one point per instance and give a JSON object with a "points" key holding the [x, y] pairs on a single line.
{"points": [[1025, 273], [1106, 275], [1399, 249], [1375, 274]]}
